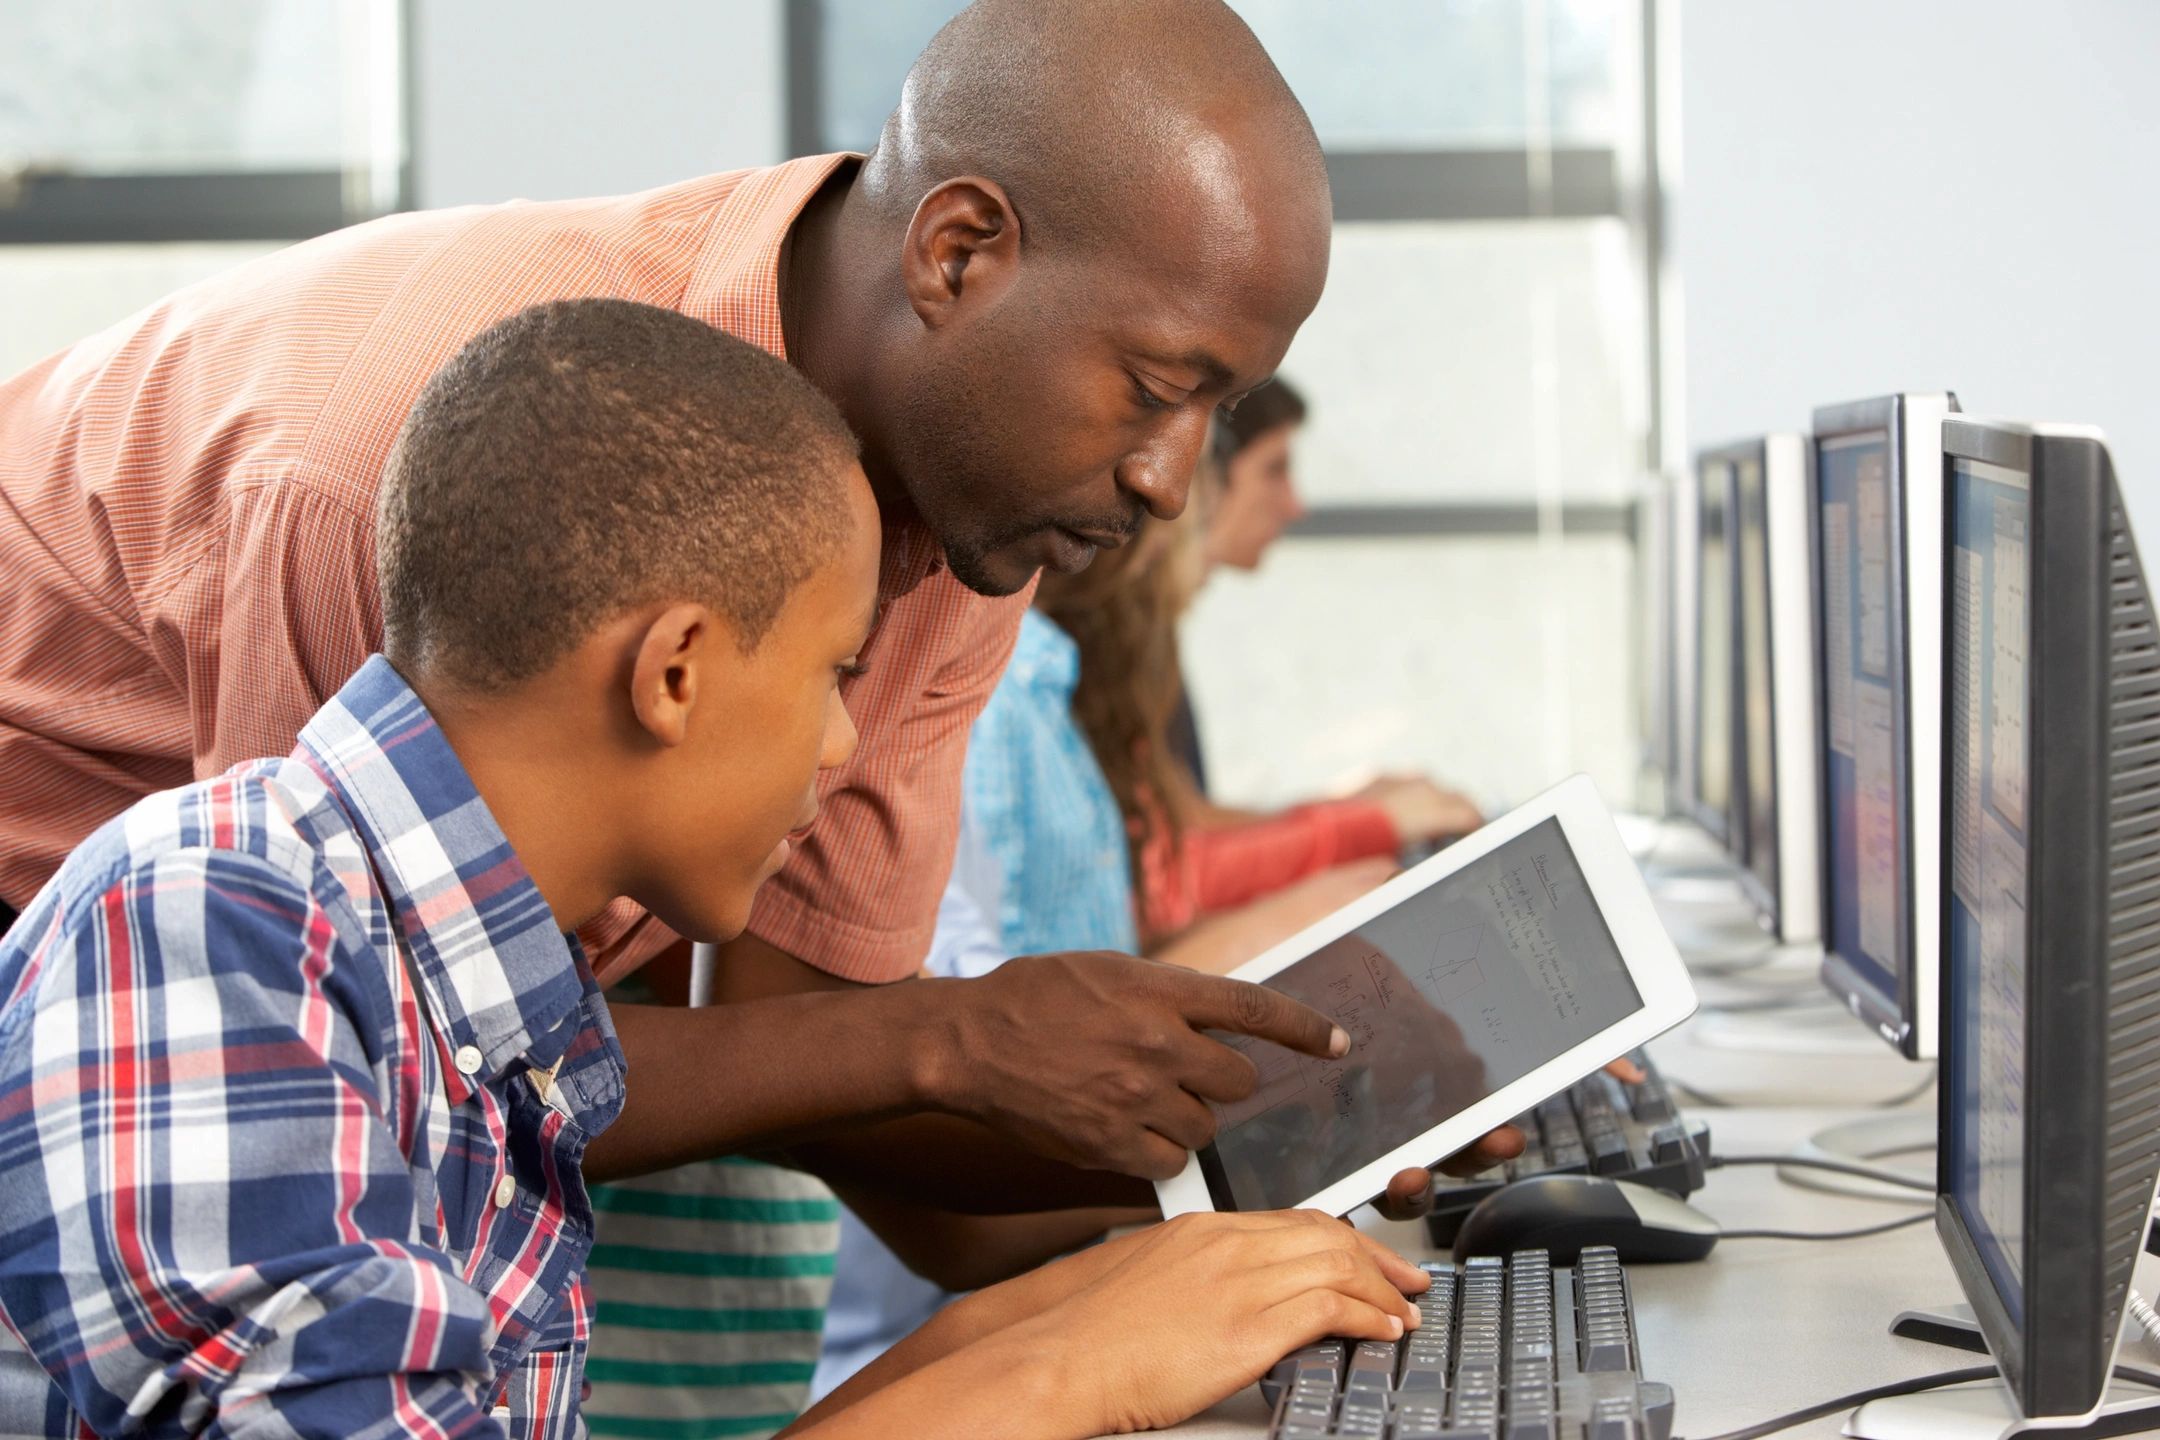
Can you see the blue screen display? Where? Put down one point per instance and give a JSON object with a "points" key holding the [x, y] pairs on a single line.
{"points": [[1863, 657], [1984, 715]]}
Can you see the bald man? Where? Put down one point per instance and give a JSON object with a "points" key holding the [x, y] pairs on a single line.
{"points": [[1084, 229]]}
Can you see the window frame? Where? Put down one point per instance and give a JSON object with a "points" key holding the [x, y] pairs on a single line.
{"points": [[1447, 184]]}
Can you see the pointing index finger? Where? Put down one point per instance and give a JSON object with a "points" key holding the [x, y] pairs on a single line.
{"points": [[1214, 1003]]}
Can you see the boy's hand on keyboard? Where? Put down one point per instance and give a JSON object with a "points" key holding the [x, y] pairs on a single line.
{"points": [[1201, 1306]]}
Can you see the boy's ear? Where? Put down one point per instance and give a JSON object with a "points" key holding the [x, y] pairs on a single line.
{"points": [[672, 657]]}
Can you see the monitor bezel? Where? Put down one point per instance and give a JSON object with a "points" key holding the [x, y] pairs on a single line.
{"points": [[2055, 1364], [1906, 1018], [1719, 823], [1792, 662], [1761, 894]]}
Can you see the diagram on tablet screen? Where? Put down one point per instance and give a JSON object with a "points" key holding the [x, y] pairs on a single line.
{"points": [[1455, 971]]}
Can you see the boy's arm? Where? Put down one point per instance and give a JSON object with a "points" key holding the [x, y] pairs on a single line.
{"points": [[966, 1252], [204, 1209]]}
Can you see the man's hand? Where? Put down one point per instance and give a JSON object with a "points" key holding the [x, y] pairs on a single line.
{"points": [[1410, 1194], [1098, 1060]]}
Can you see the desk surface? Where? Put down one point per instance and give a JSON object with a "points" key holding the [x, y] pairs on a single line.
{"points": [[1762, 1327]]}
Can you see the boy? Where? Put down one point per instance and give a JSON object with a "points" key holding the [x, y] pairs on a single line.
{"points": [[298, 1065]]}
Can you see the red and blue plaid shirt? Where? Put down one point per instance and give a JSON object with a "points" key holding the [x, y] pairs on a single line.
{"points": [[295, 1075]]}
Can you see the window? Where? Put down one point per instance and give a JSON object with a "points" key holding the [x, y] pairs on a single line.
{"points": [[1463, 597], [198, 120]]}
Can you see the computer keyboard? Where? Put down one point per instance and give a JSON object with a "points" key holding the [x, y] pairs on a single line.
{"points": [[1506, 1350], [1597, 1126]]}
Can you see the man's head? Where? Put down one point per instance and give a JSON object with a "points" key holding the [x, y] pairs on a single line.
{"points": [[1259, 496], [1107, 221], [625, 558]]}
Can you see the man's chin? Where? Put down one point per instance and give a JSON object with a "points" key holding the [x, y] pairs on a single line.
{"points": [[996, 573]]}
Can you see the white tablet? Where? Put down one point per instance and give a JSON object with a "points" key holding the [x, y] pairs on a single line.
{"points": [[1490, 977]]}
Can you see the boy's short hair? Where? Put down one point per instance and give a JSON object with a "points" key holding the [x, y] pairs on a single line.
{"points": [[584, 458]]}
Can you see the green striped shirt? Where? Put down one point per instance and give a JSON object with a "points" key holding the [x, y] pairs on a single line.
{"points": [[710, 1283]]}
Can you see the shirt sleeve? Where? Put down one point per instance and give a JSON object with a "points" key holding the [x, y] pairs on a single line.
{"points": [[206, 1219], [1220, 867], [968, 943], [859, 899]]}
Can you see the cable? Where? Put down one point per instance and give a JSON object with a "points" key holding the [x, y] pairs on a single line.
{"points": [[1861, 1234], [1860, 1397], [1760, 1005], [1887, 1177], [1907, 1097], [2142, 1312], [1714, 1101], [1919, 1385]]}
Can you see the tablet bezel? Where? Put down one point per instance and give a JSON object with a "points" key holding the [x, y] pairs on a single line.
{"points": [[1617, 887]]}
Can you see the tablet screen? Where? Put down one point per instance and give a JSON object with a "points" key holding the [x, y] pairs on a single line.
{"points": [[1467, 985]]}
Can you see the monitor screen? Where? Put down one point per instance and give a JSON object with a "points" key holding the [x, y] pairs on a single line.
{"points": [[1458, 990], [1713, 652], [1865, 785], [1757, 846], [1984, 713]]}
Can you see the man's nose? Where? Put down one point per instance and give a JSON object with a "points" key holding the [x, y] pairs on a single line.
{"points": [[1162, 473]]}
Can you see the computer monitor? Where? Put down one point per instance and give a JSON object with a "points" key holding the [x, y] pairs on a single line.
{"points": [[1778, 842], [2050, 1092], [1711, 800], [1680, 640], [1875, 527], [1654, 554]]}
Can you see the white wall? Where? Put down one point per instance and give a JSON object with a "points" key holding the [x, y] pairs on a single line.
{"points": [[1906, 194], [554, 99]]}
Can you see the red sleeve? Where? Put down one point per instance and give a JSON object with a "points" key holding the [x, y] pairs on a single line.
{"points": [[1224, 866]]}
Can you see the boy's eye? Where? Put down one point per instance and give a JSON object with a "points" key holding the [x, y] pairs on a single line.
{"points": [[852, 670]]}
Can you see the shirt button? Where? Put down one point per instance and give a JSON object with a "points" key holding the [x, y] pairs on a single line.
{"points": [[505, 1192], [468, 1059]]}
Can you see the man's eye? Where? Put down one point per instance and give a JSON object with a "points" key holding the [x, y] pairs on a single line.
{"points": [[1146, 398]]}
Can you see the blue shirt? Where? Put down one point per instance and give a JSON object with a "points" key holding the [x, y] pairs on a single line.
{"points": [[296, 1073], [1043, 851], [1043, 811]]}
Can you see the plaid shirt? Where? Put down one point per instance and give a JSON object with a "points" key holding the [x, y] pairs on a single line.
{"points": [[295, 1076]]}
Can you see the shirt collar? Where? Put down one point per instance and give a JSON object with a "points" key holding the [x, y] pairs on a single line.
{"points": [[499, 975], [735, 285]]}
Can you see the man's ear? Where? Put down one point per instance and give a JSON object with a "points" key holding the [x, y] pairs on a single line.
{"points": [[674, 659], [962, 247]]}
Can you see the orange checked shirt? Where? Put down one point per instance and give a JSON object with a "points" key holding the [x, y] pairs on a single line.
{"points": [[187, 539]]}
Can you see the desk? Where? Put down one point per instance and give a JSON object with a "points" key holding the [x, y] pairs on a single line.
{"points": [[1762, 1327]]}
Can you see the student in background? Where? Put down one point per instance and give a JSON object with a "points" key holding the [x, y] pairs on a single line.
{"points": [[1066, 764], [345, 1199], [1231, 855]]}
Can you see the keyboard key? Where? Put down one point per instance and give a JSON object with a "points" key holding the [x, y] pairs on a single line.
{"points": [[1609, 1153], [1668, 1145], [1492, 1361]]}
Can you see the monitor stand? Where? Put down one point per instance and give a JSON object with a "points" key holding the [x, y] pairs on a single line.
{"points": [[1825, 1029], [1864, 1142], [1985, 1411]]}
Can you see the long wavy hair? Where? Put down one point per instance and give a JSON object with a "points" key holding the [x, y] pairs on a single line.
{"points": [[1122, 612]]}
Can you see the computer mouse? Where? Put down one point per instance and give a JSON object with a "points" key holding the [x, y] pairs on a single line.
{"points": [[1563, 1213]]}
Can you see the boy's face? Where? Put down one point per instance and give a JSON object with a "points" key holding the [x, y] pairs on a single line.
{"points": [[763, 726]]}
